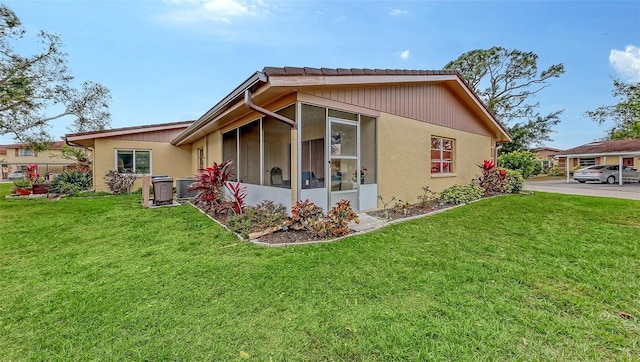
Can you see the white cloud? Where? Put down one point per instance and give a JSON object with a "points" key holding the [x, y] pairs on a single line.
{"points": [[404, 55], [627, 62], [398, 12], [226, 11]]}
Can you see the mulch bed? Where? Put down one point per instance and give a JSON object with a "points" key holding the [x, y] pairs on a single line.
{"points": [[415, 210], [291, 236]]}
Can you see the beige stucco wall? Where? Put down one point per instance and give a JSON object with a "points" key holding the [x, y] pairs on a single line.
{"points": [[404, 156], [212, 145], [166, 159]]}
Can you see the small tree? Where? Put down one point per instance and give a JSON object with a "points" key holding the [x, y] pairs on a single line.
{"points": [[523, 161], [34, 84], [625, 115]]}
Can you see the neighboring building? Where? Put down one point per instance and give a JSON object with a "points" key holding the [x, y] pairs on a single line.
{"points": [[4, 168], [141, 149], [19, 156], [547, 156], [546, 152], [614, 152], [331, 134]]}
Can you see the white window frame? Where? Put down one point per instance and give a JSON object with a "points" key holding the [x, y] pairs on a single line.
{"points": [[26, 152], [202, 163], [135, 171], [452, 168]]}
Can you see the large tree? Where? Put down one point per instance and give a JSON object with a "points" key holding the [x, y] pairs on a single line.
{"points": [[36, 89], [625, 115], [507, 82]]}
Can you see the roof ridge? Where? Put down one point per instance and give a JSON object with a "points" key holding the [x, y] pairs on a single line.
{"points": [[311, 71]]}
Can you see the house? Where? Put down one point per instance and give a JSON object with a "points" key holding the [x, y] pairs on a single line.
{"points": [[547, 156], [143, 149], [332, 134], [4, 168], [19, 156], [613, 152]]}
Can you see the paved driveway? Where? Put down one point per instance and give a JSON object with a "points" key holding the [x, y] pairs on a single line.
{"points": [[624, 191]]}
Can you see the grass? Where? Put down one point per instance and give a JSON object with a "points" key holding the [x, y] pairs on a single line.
{"points": [[522, 277]]}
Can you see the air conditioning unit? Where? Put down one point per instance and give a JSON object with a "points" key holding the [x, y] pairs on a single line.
{"points": [[182, 184]]}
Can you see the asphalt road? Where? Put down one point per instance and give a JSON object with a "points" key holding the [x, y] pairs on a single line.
{"points": [[625, 191]]}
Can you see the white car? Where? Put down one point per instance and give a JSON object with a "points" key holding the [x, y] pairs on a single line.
{"points": [[605, 173], [16, 175]]}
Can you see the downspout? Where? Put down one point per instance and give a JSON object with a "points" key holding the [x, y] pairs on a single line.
{"points": [[266, 112]]}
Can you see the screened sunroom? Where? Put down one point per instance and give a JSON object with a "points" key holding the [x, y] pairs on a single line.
{"points": [[329, 156]]}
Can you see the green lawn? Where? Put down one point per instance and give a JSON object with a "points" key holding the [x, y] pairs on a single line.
{"points": [[522, 277]]}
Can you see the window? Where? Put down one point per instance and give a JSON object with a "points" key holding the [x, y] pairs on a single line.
{"points": [[133, 161], [584, 162], [25, 152], [441, 155], [201, 160]]}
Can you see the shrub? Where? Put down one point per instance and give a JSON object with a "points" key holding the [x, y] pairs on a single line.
{"points": [[303, 214], [238, 193], [336, 222], [385, 205], [71, 182], [210, 184], [461, 194], [515, 181], [553, 171], [119, 183], [402, 207], [427, 196], [493, 180], [523, 161], [266, 214]]}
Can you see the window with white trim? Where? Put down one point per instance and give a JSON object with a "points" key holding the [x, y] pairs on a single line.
{"points": [[201, 160], [442, 155], [25, 152], [133, 161]]}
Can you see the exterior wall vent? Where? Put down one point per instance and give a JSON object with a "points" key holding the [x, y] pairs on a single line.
{"points": [[182, 184]]}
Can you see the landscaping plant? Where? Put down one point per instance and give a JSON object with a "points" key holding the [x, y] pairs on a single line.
{"points": [[266, 215], [211, 183], [523, 161], [71, 182], [427, 197], [385, 205], [492, 180], [461, 194], [336, 221], [303, 214], [119, 183], [515, 181]]}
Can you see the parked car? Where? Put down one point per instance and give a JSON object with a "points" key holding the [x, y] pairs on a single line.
{"points": [[605, 173], [16, 175]]}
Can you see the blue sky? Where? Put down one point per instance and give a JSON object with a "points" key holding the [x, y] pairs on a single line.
{"points": [[172, 60]]}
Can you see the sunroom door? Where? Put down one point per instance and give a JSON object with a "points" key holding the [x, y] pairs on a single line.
{"points": [[343, 162]]}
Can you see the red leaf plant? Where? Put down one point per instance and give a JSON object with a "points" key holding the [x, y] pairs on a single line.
{"points": [[32, 172], [238, 194], [493, 180], [210, 183]]}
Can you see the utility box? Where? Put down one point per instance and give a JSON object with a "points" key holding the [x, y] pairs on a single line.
{"points": [[162, 191], [182, 185]]}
